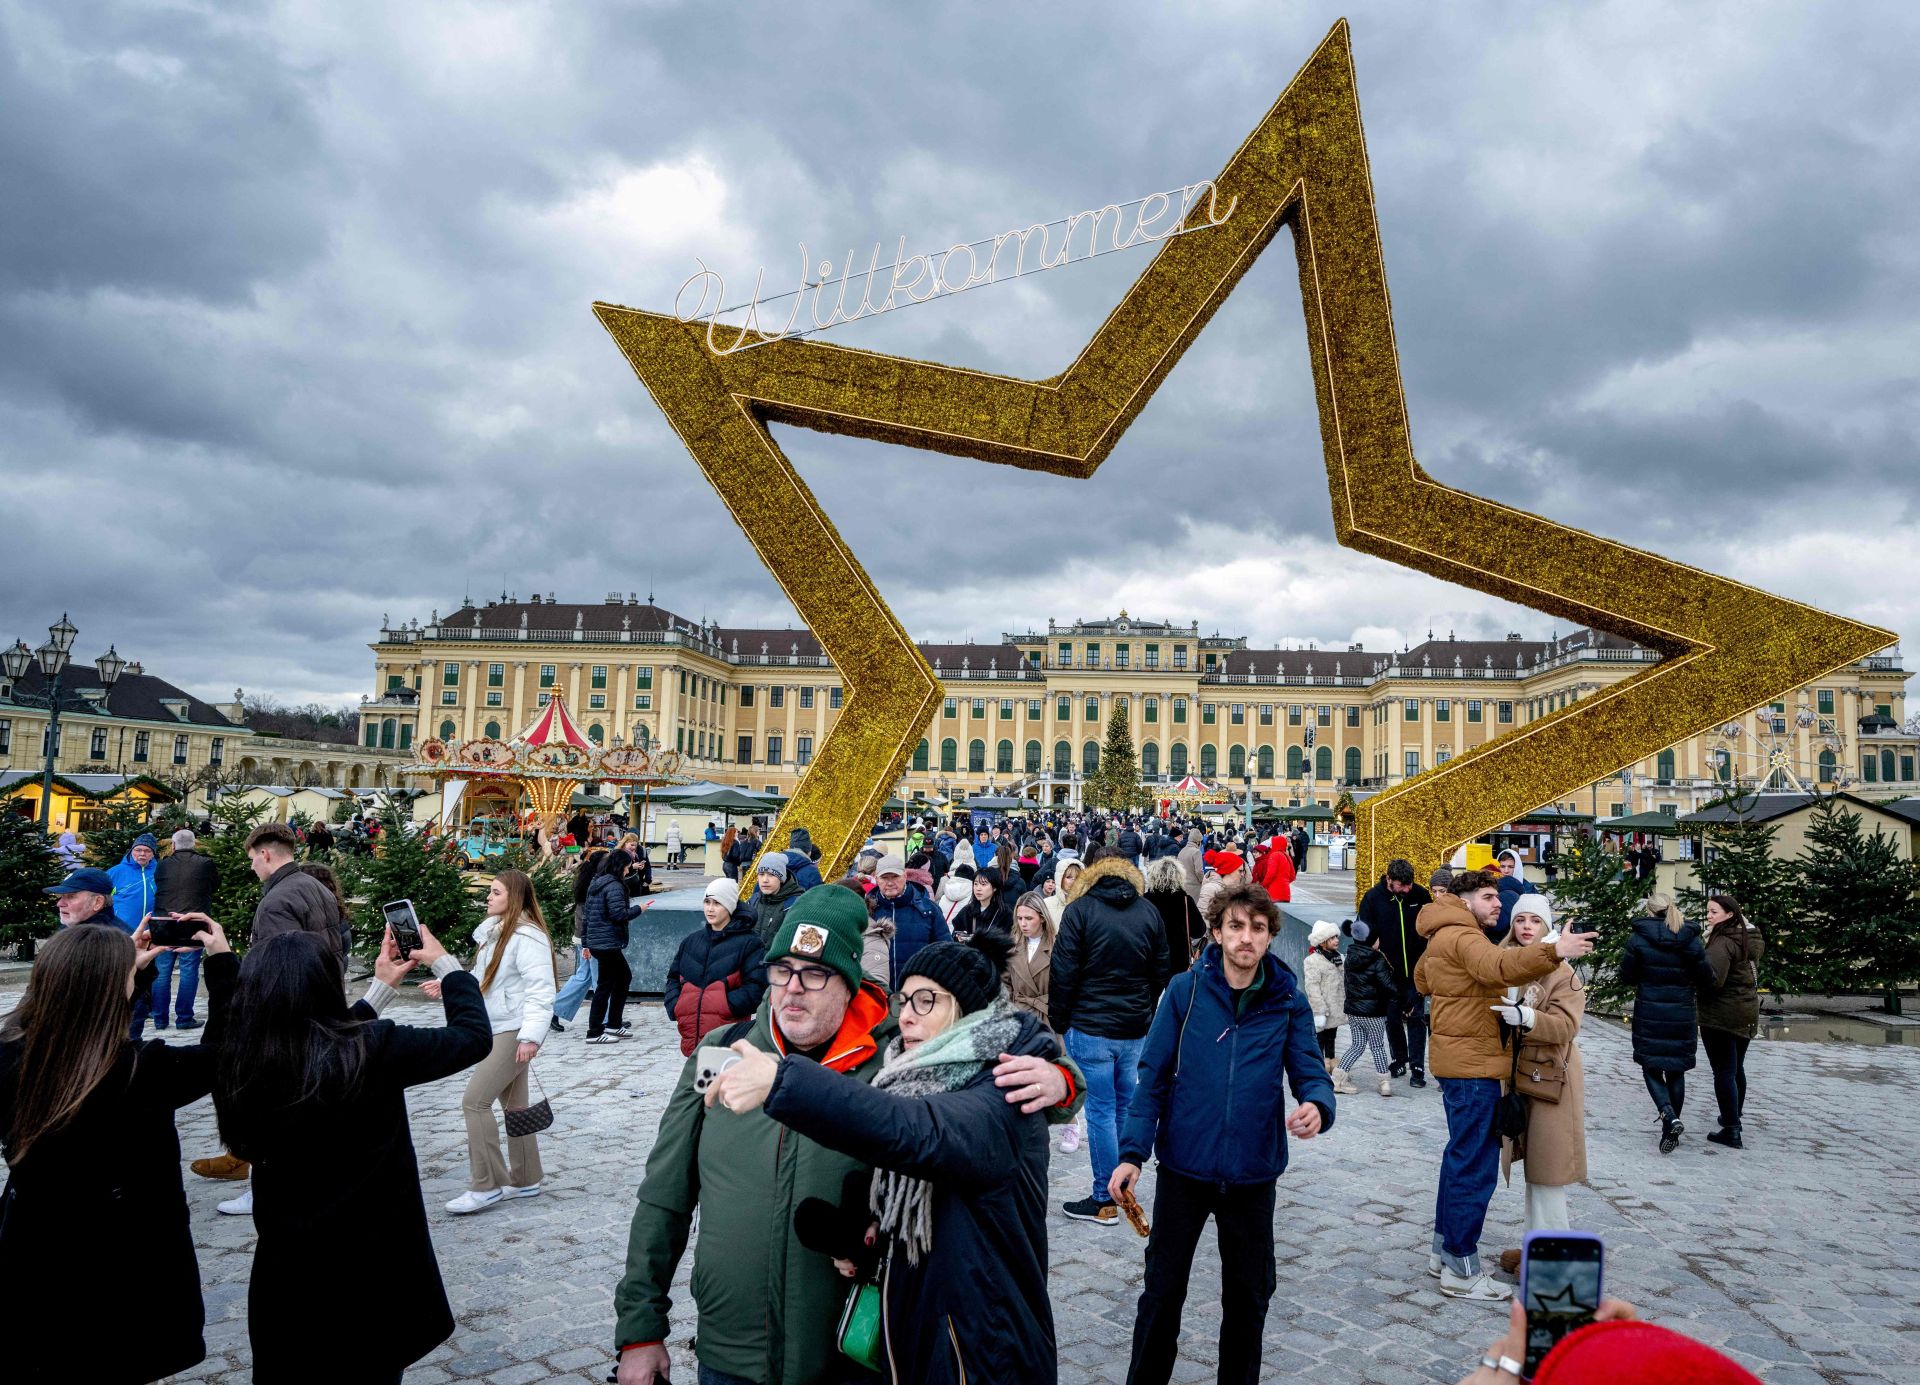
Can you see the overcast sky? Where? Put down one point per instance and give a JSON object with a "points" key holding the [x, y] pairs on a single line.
{"points": [[295, 327]]}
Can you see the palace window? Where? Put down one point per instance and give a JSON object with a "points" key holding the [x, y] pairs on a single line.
{"points": [[1122, 656], [777, 696], [1034, 705], [217, 750], [1323, 715], [1208, 713], [1003, 757], [1353, 717], [1474, 709], [549, 672], [1062, 757], [643, 676], [1093, 656], [1090, 758], [746, 694], [1213, 662], [1066, 655], [1663, 767], [643, 702], [1237, 715], [976, 757], [142, 743], [97, 744], [1063, 708], [1823, 702], [450, 675], [1413, 763], [776, 749], [1266, 714], [545, 698], [803, 750], [1033, 757], [1179, 711], [1296, 762], [1209, 761], [1443, 709], [836, 698], [979, 709], [1177, 760], [496, 675], [949, 755], [180, 748], [1150, 709], [1237, 761], [950, 708], [1264, 761], [492, 730], [1323, 763], [1179, 656], [1153, 656], [1412, 709], [1440, 757], [596, 702], [1006, 709], [1503, 713], [1150, 760], [1093, 709], [1353, 764], [920, 757], [1293, 714], [806, 699], [598, 676], [597, 734]]}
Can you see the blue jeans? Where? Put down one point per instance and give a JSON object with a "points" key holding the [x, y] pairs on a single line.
{"points": [[585, 972], [1112, 1066], [1469, 1171], [188, 964]]}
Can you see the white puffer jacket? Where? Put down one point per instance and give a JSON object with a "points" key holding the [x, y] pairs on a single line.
{"points": [[521, 996]]}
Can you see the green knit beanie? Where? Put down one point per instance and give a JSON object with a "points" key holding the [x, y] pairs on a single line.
{"points": [[824, 925]]}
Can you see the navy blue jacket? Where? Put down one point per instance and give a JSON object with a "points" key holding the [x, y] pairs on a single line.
{"points": [[1211, 1097], [603, 922], [976, 1308], [916, 923], [1666, 969]]}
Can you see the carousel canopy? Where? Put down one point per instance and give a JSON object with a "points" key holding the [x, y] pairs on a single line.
{"points": [[554, 727], [1191, 785]]}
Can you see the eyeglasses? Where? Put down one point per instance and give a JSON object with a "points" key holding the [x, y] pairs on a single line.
{"points": [[779, 974], [920, 1002]]}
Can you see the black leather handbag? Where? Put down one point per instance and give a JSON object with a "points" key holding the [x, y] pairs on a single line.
{"points": [[530, 1120]]}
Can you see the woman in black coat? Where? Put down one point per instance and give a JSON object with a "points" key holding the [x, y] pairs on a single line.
{"points": [[1666, 964], [1179, 914], [314, 1095], [988, 911], [603, 934], [104, 1181]]}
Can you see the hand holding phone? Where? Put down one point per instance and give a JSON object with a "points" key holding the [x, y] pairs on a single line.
{"points": [[711, 1063], [1560, 1285], [171, 930], [404, 924]]}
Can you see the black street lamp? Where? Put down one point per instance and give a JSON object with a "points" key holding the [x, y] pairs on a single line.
{"points": [[54, 657]]}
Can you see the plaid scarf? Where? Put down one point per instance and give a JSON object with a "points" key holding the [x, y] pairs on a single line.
{"points": [[945, 1063]]}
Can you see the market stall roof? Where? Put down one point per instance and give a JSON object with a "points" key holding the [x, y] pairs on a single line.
{"points": [[1553, 815], [92, 786], [590, 800], [992, 803], [723, 800], [1303, 812], [1658, 823], [1764, 807]]}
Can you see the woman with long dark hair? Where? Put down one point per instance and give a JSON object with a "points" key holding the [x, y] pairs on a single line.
{"points": [[1730, 1010], [314, 1096], [988, 910], [1666, 965], [86, 1123], [603, 928], [516, 969]]}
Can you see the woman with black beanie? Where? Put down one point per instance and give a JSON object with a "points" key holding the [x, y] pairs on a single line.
{"points": [[960, 1181]]}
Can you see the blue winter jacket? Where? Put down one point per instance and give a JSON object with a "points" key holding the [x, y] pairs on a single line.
{"points": [[1210, 1098], [132, 892], [915, 924], [802, 871]]}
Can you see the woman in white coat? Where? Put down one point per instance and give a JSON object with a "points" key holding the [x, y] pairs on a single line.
{"points": [[516, 971]]}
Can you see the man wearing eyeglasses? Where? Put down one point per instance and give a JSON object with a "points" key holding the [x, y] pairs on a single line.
{"points": [[768, 1307]]}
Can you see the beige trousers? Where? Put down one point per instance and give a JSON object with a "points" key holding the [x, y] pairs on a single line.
{"points": [[498, 1078]]}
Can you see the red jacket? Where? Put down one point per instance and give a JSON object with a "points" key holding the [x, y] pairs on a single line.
{"points": [[1275, 872]]}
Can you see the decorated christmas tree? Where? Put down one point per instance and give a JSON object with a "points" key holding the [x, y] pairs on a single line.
{"points": [[1857, 927], [1116, 784], [27, 867]]}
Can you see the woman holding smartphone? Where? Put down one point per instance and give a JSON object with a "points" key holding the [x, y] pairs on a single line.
{"points": [[603, 928], [1544, 1019], [86, 1123], [314, 1095]]}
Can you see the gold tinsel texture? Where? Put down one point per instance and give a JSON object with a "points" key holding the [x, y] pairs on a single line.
{"points": [[1727, 648]]}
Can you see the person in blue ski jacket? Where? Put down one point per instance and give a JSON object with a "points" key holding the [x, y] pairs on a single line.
{"points": [[1230, 1035]]}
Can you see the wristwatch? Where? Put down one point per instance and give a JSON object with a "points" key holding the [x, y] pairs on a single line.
{"points": [[1503, 1364]]}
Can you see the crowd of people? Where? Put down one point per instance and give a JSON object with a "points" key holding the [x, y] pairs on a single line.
{"points": [[901, 1045]]}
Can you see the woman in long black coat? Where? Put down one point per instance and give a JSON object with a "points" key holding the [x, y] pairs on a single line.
{"points": [[314, 1095], [1667, 965], [105, 1180]]}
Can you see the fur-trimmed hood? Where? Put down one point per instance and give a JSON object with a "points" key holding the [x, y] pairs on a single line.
{"points": [[1113, 868]]}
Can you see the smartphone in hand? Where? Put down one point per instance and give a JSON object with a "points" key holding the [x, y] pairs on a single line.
{"points": [[1560, 1284], [169, 930], [405, 924]]}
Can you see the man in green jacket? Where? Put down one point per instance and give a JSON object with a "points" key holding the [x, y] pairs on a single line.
{"points": [[768, 1307]]}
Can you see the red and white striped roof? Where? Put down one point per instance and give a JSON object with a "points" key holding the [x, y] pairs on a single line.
{"points": [[1191, 785], [554, 727]]}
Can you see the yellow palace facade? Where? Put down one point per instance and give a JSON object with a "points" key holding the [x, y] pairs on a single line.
{"points": [[1027, 716]]}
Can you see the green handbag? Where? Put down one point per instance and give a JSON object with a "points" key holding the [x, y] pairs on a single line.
{"points": [[859, 1334]]}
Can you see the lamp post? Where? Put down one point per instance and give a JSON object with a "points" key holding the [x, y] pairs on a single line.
{"points": [[54, 657]]}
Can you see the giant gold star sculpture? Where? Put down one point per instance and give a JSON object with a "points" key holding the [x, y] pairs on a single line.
{"points": [[1726, 647]]}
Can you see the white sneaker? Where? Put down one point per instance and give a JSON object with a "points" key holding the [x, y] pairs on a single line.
{"points": [[1435, 1265], [241, 1206], [1070, 1139], [530, 1190], [609, 1037], [1483, 1287], [471, 1201], [1386, 1086]]}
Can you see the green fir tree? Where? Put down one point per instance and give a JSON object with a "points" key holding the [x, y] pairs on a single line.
{"points": [[27, 867], [552, 886], [1857, 916], [236, 892], [406, 866], [1595, 894], [110, 836]]}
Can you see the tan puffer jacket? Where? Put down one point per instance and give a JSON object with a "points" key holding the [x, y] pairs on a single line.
{"points": [[1464, 974]]}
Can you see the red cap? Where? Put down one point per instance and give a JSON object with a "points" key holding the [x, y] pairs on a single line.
{"points": [[1227, 862], [1606, 1353]]}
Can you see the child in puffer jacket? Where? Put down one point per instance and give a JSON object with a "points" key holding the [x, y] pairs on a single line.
{"points": [[1371, 989], [1326, 985], [720, 972]]}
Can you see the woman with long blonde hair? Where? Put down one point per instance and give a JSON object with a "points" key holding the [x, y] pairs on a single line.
{"points": [[516, 969], [1667, 965]]}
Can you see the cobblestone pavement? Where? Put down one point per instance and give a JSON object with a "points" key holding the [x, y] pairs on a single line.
{"points": [[1799, 1256]]}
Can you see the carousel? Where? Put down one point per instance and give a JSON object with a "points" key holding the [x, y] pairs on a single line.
{"points": [[533, 777], [1190, 795]]}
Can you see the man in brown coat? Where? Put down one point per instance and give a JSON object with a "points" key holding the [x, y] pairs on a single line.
{"points": [[1465, 975]]}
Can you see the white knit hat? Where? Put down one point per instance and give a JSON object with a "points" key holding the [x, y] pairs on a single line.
{"points": [[1322, 932], [1535, 904], [725, 890]]}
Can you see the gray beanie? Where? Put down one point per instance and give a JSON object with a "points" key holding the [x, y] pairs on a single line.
{"points": [[773, 863]]}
